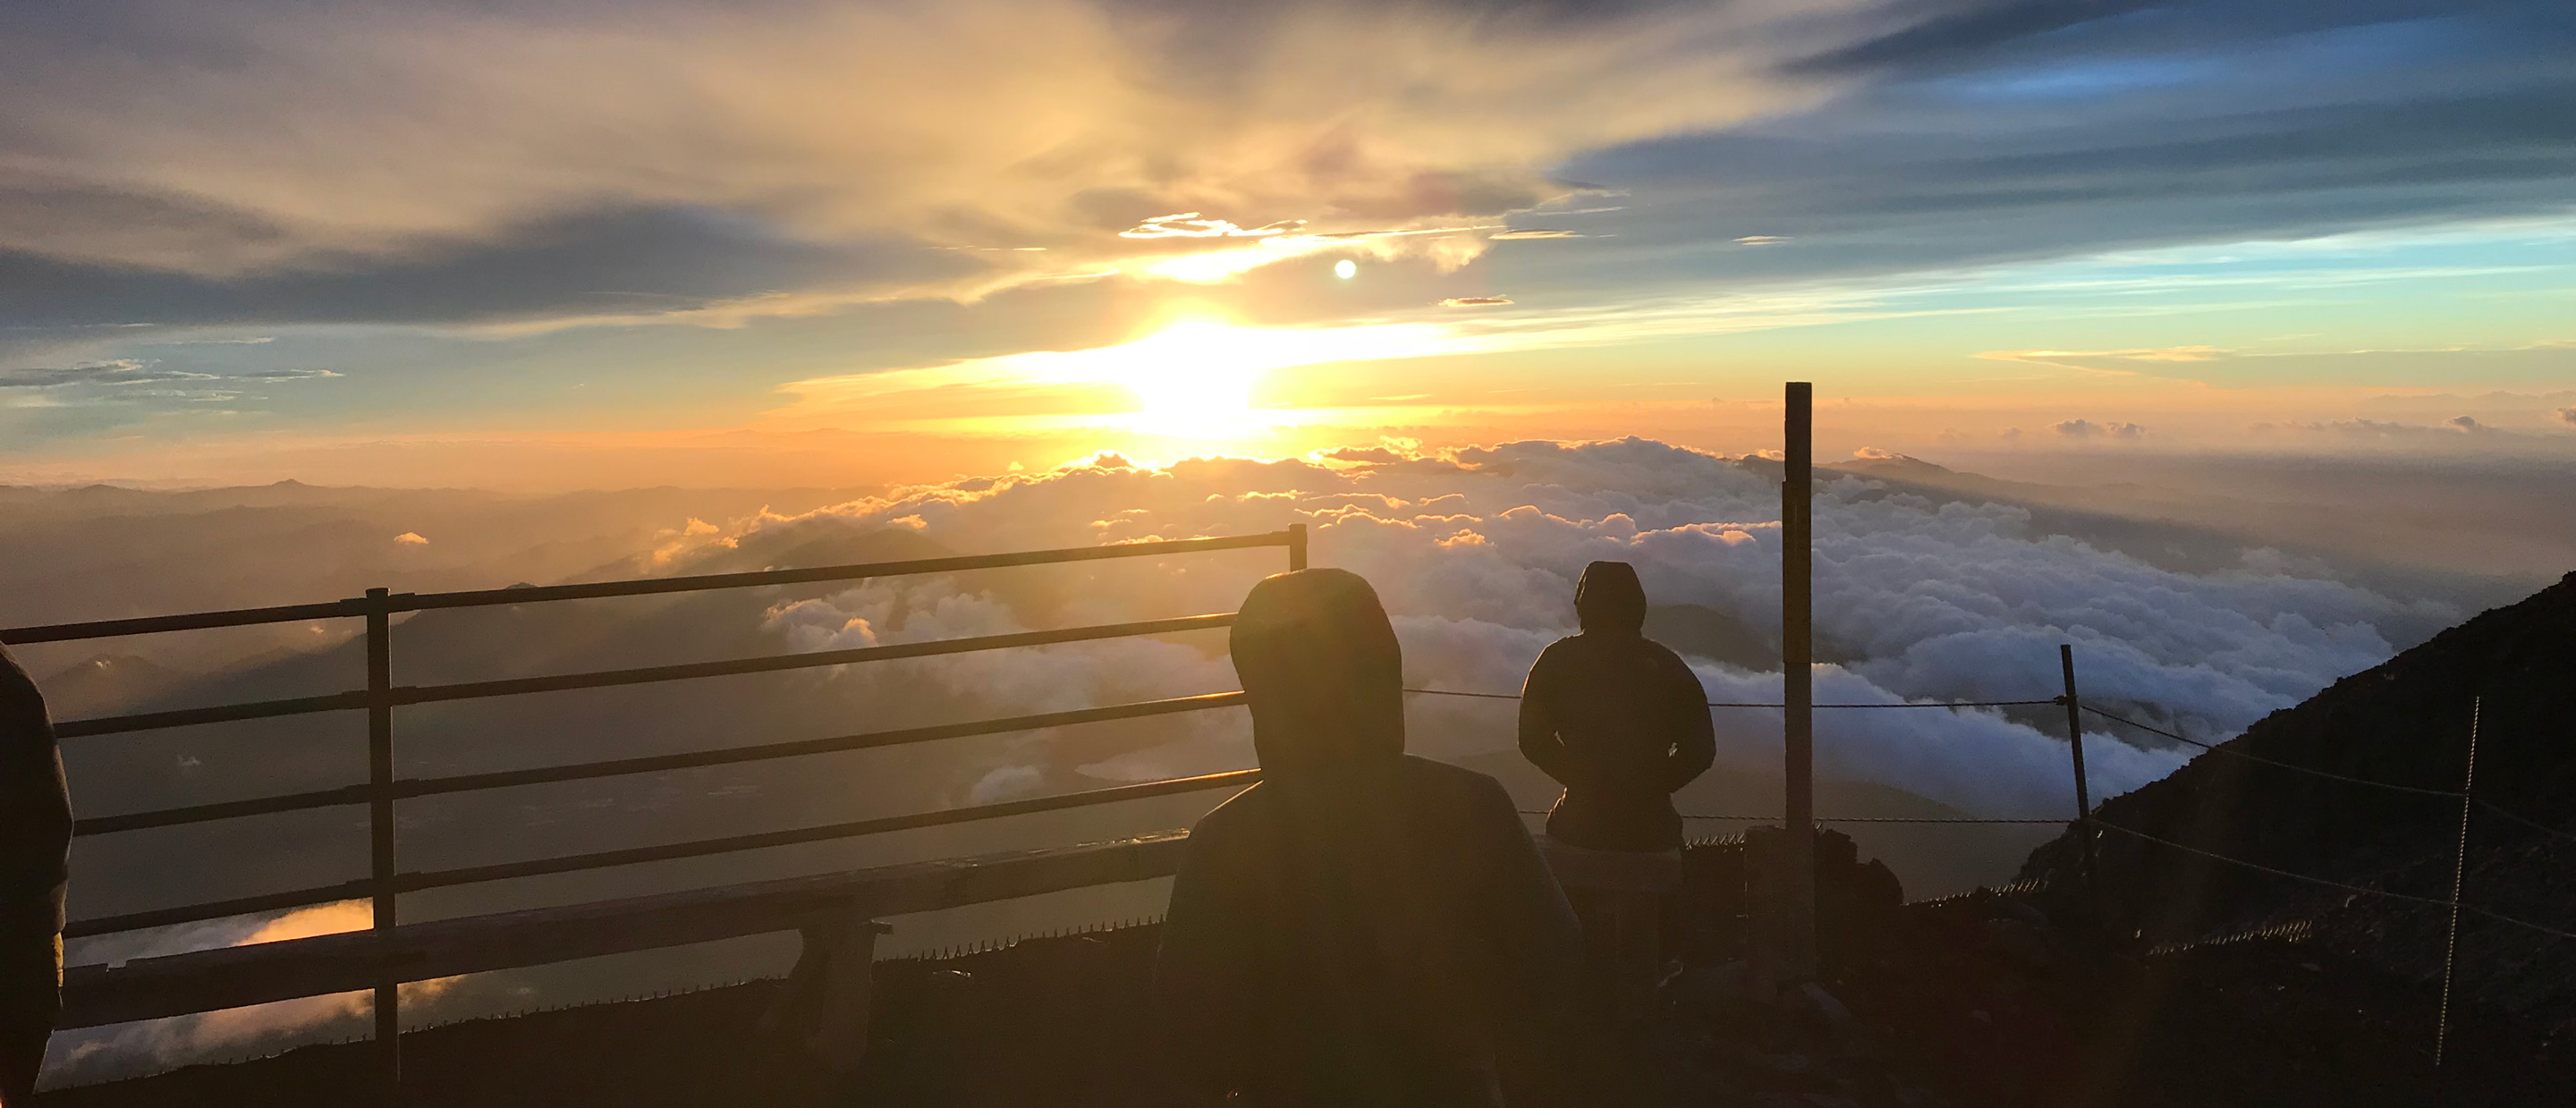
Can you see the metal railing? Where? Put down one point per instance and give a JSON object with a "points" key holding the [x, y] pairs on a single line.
{"points": [[385, 882]]}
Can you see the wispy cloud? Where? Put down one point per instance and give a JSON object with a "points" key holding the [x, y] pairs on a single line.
{"points": [[122, 371], [372, 133], [2109, 361]]}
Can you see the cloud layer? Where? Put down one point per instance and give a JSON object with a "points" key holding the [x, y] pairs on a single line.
{"points": [[1475, 552]]}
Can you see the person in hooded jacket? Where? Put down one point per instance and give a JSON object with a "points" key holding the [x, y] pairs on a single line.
{"points": [[35, 842], [1363, 928], [1617, 719]]}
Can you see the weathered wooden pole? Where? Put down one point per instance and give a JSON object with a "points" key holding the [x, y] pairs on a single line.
{"points": [[2083, 788], [1797, 858], [380, 827], [2459, 873]]}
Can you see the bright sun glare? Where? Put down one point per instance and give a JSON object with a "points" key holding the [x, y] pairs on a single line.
{"points": [[1193, 376]]}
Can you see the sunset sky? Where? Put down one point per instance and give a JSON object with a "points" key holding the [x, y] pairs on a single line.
{"points": [[562, 244]]}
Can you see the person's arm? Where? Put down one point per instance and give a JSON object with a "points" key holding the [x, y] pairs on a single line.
{"points": [[1538, 727], [1204, 986], [1535, 941], [1695, 737]]}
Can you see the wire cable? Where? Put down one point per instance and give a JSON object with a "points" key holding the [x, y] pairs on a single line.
{"points": [[1751, 704], [2384, 893], [2448, 793], [2524, 820], [1848, 819]]}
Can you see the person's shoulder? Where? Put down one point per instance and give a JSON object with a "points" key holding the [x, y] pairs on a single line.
{"points": [[1228, 820], [1557, 651], [1665, 656]]}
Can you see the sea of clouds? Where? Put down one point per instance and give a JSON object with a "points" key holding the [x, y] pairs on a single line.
{"points": [[1476, 551]]}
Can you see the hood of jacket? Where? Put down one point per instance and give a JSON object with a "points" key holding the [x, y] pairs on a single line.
{"points": [[1609, 601], [1319, 660]]}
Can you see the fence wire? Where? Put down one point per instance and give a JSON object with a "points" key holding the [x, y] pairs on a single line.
{"points": [[1842, 819], [2452, 794], [2524, 820], [2332, 884], [1753, 704]]}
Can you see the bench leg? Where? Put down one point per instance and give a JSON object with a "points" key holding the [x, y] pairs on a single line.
{"points": [[824, 1008]]}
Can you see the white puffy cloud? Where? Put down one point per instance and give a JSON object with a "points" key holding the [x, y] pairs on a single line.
{"points": [[1475, 552], [2087, 429]]}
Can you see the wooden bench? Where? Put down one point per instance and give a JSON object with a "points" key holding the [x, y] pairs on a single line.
{"points": [[837, 913]]}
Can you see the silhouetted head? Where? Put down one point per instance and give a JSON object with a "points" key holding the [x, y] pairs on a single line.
{"points": [[1609, 601], [1316, 654]]}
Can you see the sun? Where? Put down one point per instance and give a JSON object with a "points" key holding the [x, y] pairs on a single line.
{"points": [[1193, 377]]}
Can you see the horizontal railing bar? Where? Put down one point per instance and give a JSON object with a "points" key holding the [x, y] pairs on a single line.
{"points": [[435, 786], [221, 713], [218, 909], [649, 586], [407, 602], [439, 879], [474, 690], [193, 621], [230, 809], [438, 786], [345, 701]]}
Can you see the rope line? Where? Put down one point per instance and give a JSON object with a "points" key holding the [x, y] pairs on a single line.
{"points": [[1752, 704], [2257, 866], [2451, 794]]}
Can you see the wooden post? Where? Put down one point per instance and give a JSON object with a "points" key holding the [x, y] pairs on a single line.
{"points": [[1796, 914], [2075, 742], [2459, 872], [380, 826], [1296, 547]]}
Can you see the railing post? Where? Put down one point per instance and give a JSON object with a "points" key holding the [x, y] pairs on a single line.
{"points": [[380, 826], [2075, 742], [1794, 916], [1296, 547]]}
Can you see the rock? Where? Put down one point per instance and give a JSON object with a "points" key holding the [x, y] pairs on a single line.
{"points": [[1814, 998], [2026, 912], [2016, 941], [1711, 990]]}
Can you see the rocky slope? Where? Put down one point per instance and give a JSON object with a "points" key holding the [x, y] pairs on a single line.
{"points": [[2405, 723]]}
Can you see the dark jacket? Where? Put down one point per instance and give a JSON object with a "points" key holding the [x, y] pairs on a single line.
{"points": [[1617, 719], [35, 839], [1363, 928]]}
